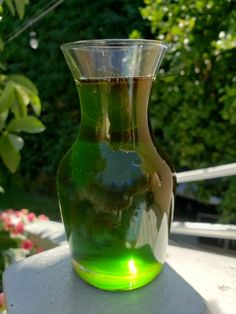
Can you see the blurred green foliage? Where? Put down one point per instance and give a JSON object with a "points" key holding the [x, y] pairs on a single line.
{"points": [[16, 94], [18, 100], [194, 99]]}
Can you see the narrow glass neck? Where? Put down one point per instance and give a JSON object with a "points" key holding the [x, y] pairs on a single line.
{"points": [[110, 108], [113, 78]]}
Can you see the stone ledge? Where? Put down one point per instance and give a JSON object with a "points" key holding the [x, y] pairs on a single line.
{"points": [[45, 283]]}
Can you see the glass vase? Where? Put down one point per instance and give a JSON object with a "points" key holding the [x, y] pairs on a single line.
{"points": [[115, 187]]}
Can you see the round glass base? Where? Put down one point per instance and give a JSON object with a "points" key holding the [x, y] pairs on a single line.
{"points": [[123, 275]]}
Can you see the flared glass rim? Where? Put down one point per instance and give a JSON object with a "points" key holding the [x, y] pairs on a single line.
{"points": [[113, 43]]}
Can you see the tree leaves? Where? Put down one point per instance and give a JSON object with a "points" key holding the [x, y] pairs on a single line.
{"points": [[10, 6], [17, 6], [23, 81], [22, 90], [197, 86], [10, 145], [3, 118], [15, 98], [195, 115], [36, 104], [229, 100], [20, 8], [10, 156], [27, 124], [16, 93], [16, 141], [7, 98]]}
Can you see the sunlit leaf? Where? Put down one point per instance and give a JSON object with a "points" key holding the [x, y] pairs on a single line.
{"points": [[16, 141], [191, 23], [36, 104], [27, 124], [20, 8], [22, 95], [10, 6], [10, 156], [200, 5], [3, 118], [24, 81], [7, 98], [135, 34], [19, 108], [175, 30]]}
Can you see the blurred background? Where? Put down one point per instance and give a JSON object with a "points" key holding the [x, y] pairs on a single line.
{"points": [[192, 107]]}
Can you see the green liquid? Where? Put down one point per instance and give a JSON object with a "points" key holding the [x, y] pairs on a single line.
{"points": [[111, 186], [123, 274]]}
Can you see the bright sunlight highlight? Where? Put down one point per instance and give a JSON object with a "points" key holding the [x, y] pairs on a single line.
{"points": [[132, 267]]}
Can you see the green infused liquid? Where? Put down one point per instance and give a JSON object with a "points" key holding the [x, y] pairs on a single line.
{"points": [[108, 188], [125, 273]]}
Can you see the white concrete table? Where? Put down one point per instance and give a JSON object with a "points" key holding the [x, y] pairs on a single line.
{"points": [[46, 284]]}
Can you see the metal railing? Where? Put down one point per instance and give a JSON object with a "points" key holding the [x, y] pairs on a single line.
{"points": [[209, 230], [206, 173]]}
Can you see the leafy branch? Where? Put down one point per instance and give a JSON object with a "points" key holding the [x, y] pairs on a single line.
{"points": [[20, 105], [17, 7]]}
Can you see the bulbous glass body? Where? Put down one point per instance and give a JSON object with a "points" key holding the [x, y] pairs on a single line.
{"points": [[115, 189]]}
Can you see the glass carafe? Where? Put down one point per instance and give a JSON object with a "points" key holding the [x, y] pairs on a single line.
{"points": [[115, 188]]}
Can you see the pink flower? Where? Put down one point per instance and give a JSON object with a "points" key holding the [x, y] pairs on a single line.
{"points": [[19, 228], [43, 217], [24, 211], [5, 217], [7, 223], [39, 250], [31, 217], [18, 213], [10, 211], [27, 244], [2, 302], [7, 226]]}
